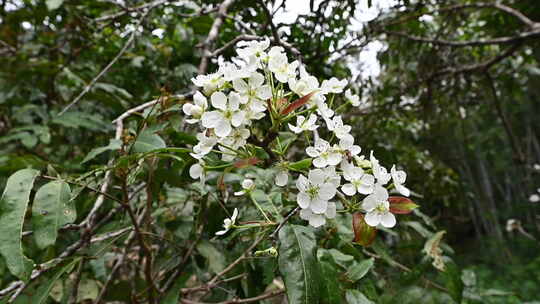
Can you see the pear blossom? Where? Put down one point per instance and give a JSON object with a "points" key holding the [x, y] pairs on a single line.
{"points": [[399, 177], [358, 180], [232, 72], [317, 220], [304, 125], [378, 209], [534, 198], [253, 88], [340, 130], [247, 49], [196, 171], [352, 98], [228, 223], [278, 64], [210, 82], [348, 147], [323, 154], [204, 146], [333, 85], [314, 191], [305, 85], [197, 109], [247, 185], [227, 115], [380, 172]]}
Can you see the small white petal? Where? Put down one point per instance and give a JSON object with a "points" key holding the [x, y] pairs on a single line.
{"points": [[282, 178], [303, 200], [219, 100], [317, 220], [388, 220], [318, 206], [372, 218], [222, 128], [327, 191], [302, 183], [331, 210], [348, 189]]}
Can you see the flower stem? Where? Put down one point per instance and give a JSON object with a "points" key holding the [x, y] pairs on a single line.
{"points": [[259, 207]]}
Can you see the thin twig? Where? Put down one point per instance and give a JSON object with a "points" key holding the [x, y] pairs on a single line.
{"points": [[108, 66]]}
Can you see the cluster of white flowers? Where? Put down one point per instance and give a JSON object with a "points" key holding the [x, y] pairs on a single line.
{"points": [[259, 83]]}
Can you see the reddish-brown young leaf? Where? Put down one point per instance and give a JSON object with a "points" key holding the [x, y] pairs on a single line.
{"points": [[363, 233], [246, 162], [401, 205], [297, 104]]}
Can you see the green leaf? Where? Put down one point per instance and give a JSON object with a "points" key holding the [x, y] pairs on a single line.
{"points": [[216, 259], [356, 297], [300, 165], [359, 270], [298, 264], [330, 289], [174, 293], [12, 210], [44, 290], [148, 141], [114, 144], [51, 210], [53, 4]]}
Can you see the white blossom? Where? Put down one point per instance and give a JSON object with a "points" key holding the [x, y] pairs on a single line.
{"points": [[247, 185], [305, 85], [347, 146], [380, 172], [253, 89], [210, 82], [333, 85], [279, 65], [378, 209], [304, 125], [358, 180], [323, 154], [399, 177], [534, 198], [227, 115], [204, 146], [340, 130], [196, 171], [314, 191], [228, 223], [247, 49], [195, 109], [352, 98], [317, 220]]}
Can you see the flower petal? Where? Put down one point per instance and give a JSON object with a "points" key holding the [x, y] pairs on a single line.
{"points": [[219, 100], [303, 200], [222, 128], [372, 218], [318, 206], [388, 220], [327, 191], [348, 189], [317, 220]]}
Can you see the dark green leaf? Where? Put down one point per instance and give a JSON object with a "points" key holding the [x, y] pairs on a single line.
{"points": [[114, 144], [359, 270], [12, 210], [51, 210], [298, 264]]}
